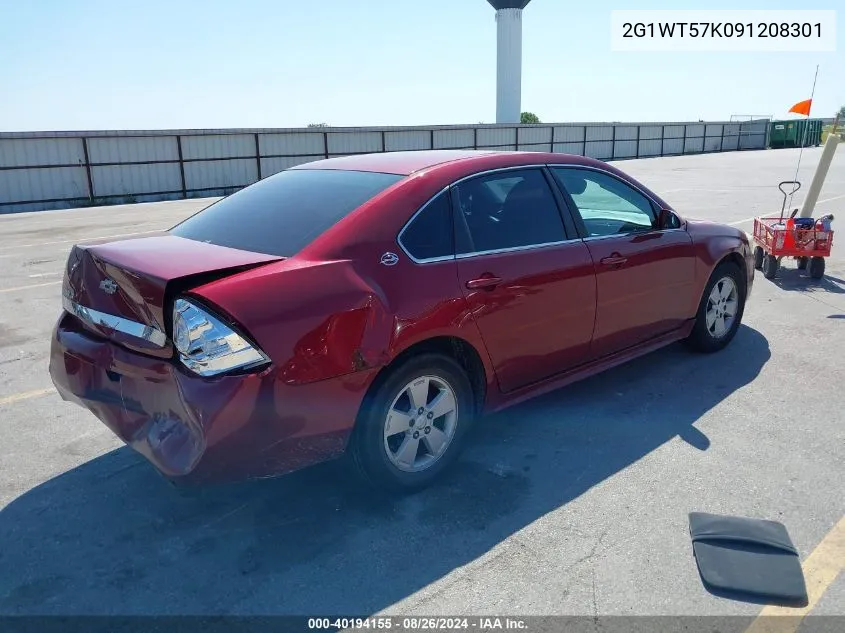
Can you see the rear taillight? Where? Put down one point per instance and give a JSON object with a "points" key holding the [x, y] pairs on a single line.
{"points": [[207, 346]]}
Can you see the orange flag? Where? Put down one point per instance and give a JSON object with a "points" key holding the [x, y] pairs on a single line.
{"points": [[802, 107]]}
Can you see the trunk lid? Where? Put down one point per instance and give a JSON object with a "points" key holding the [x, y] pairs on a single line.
{"points": [[121, 290]]}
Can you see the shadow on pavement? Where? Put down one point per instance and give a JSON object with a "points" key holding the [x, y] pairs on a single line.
{"points": [[112, 537], [794, 279]]}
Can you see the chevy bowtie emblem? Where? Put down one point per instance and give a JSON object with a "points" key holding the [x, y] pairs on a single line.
{"points": [[108, 286], [389, 259]]}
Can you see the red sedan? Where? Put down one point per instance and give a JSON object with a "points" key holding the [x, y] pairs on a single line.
{"points": [[380, 304]]}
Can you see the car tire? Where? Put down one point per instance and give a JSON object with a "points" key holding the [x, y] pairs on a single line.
{"points": [[384, 460], [770, 266], [816, 267], [802, 263], [724, 293], [758, 257]]}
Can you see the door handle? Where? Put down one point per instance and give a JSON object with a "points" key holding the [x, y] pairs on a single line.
{"points": [[614, 260], [484, 282]]}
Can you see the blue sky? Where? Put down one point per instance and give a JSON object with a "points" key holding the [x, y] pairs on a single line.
{"points": [[95, 64]]}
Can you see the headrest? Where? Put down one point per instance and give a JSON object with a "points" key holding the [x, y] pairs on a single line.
{"points": [[575, 184]]}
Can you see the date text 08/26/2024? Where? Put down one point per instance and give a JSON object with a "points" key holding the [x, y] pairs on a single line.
{"points": [[481, 623]]}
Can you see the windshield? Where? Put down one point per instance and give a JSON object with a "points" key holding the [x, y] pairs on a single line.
{"points": [[283, 213]]}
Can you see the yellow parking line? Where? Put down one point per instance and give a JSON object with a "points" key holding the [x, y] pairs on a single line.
{"points": [[821, 568], [48, 283], [26, 395]]}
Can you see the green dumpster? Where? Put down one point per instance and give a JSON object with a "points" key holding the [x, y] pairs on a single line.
{"points": [[795, 133]]}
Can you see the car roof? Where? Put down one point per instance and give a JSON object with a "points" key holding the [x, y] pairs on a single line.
{"points": [[400, 163], [405, 163]]}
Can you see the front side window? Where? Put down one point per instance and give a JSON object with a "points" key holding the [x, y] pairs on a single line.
{"points": [[283, 213], [606, 205], [506, 210], [430, 234]]}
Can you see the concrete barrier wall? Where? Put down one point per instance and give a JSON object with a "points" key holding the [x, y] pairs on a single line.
{"points": [[51, 170]]}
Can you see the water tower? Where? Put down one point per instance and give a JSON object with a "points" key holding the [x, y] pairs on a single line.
{"points": [[508, 59]]}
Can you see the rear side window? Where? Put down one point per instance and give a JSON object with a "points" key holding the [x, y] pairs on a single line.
{"points": [[506, 210], [430, 233], [282, 214]]}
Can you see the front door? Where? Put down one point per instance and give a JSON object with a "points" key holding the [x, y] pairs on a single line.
{"points": [[531, 288], [644, 275]]}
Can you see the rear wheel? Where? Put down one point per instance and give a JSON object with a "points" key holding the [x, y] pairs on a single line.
{"points": [[720, 311], [412, 426], [802, 263], [770, 266], [758, 257], [816, 267]]}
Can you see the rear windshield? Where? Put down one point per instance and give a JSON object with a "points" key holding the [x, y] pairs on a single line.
{"points": [[283, 213]]}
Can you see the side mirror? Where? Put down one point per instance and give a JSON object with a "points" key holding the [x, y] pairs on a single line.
{"points": [[666, 219]]}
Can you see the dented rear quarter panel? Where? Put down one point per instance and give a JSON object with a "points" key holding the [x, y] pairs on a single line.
{"points": [[320, 320], [313, 319]]}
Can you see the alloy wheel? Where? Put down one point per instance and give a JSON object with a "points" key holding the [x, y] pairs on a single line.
{"points": [[420, 423], [722, 305]]}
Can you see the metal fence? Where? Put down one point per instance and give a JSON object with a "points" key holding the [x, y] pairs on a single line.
{"points": [[52, 170]]}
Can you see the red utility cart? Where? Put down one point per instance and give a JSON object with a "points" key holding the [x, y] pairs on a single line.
{"points": [[779, 237]]}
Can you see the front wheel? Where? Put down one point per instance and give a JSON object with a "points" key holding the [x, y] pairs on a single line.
{"points": [[412, 426], [720, 311]]}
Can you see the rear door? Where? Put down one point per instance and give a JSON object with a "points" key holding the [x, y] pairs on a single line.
{"points": [[530, 284], [645, 275]]}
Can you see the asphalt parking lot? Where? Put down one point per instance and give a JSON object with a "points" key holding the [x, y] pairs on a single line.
{"points": [[575, 503]]}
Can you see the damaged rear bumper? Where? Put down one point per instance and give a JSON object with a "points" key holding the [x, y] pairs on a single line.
{"points": [[196, 429]]}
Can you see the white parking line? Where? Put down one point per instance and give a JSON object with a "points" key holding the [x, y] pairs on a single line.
{"points": [[831, 199], [819, 202], [710, 189], [82, 240], [124, 211], [49, 283], [23, 255], [103, 237]]}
